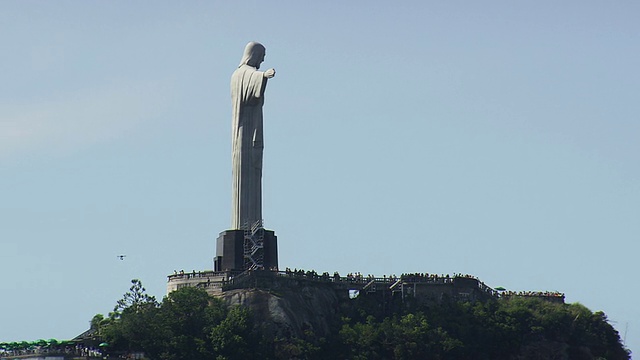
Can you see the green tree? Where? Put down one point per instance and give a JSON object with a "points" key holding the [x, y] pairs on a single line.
{"points": [[99, 323], [133, 324], [234, 337], [135, 298], [190, 324], [187, 316]]}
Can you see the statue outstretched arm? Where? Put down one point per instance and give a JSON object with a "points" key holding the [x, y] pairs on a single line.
{"points": [[269, 73]]}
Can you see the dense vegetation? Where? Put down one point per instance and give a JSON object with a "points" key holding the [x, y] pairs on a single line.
{"points": [[518, 328], [191, 325]]}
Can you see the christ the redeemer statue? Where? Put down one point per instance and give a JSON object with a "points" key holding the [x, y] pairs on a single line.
{"points": [[247, 96]]}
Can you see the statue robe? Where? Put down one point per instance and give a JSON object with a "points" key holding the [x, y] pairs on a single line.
{"points": [[247, 90]]}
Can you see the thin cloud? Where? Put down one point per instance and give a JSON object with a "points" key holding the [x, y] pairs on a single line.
{"points": [[78, 120]]}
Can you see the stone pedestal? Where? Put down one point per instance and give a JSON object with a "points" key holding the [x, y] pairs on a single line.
{"points": [[270, 250], [230, 251]]}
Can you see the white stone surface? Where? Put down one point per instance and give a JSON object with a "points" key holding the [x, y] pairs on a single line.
{"points": [[211, 281], [247, 97]]}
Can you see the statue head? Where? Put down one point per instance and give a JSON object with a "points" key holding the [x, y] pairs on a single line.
{"points": [[253, 55]]}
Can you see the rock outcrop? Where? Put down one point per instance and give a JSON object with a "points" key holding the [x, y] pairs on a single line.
{"points": [[291, 310]]}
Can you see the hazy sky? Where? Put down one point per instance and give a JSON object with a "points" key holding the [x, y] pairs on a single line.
{"points": [[497, 139]]}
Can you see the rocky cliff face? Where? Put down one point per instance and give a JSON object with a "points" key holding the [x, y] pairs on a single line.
{"points": [[292, 310]]}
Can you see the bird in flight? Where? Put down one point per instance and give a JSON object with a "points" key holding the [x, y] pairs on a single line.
{"points": [[121, 257]]}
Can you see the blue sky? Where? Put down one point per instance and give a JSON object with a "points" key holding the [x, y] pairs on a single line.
{"points": [[495, 139]]}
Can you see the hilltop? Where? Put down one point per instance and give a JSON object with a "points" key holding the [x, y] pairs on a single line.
{"points": [[313, 320]]}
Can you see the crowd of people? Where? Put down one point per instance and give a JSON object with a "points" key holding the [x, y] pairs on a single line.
{"points": [[206, 278], [426, 278], [549, 294], [359, 278], [356, 277], [190, 275], [23, 349]]}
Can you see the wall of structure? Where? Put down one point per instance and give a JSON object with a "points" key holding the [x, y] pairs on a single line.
{"points": [[211, 281], [420, 288]]}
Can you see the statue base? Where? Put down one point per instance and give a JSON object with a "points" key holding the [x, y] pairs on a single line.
{"points": [[230, 252]]}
